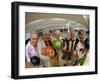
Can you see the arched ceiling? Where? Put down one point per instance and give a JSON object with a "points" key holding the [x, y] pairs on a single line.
{"points": [[42, 20]]}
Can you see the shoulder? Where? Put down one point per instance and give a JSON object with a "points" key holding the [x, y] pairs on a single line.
{"points": [[28, 45], [86, 42], [40, 39], [79, 45]]}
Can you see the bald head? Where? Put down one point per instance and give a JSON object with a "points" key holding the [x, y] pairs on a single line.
{"points": [[34, 39], [46, 31]]}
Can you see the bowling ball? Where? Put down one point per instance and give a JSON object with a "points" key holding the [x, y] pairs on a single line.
{"points": [[35, 60], [49, 51], [57, 44]]}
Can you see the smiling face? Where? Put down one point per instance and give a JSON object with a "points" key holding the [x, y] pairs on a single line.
{"points": [[46, 35], [82, 35], [72, 32], [57, 34], [34, 39]]}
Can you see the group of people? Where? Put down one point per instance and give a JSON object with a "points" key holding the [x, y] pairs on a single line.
{"points": [[74, 49]]}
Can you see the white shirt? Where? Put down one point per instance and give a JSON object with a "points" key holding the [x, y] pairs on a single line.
{"points": [[79, 51], [36, 51], [31, 51], [70, 44]]}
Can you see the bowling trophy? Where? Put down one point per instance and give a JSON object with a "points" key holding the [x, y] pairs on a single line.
{"points": [[70, 57]]}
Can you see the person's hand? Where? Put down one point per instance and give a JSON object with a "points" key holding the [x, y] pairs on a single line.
{"points": [[44, 51]]}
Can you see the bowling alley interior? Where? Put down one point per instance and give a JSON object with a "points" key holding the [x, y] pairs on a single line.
{"points": [[60, 40]]}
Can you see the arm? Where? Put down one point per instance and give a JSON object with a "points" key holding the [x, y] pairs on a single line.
{"points": [[27, 56], [45, 59], [42, 57]]}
